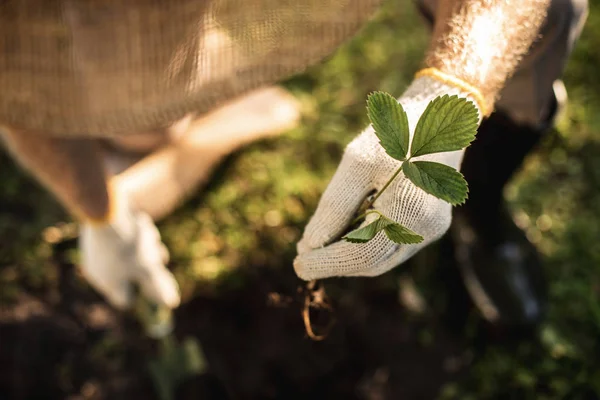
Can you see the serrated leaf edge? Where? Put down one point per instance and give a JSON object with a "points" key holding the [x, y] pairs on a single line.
{"points": [[386, 223], [409, 232], [404, 129], [433, 105], [415, 164]]}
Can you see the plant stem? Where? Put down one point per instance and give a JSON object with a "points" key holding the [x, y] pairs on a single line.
{"points": [[370, 203], [384, 187], [364, 215]]}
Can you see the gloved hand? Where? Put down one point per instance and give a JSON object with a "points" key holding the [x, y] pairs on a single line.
{"points": [[365, 167], [125, 250]]}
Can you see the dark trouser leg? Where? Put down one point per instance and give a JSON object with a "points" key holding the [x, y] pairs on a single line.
{"points": [[499, 266]]}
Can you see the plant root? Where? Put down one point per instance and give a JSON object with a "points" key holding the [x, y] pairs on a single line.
{"points": [[316, 298]]}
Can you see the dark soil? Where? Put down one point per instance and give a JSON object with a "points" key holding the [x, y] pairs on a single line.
{"points": [[72, 345]]}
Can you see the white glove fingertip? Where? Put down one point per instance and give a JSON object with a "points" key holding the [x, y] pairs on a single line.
{"points": [[120, 296], [162, 288], [303, 269], [345, 259], [118, 293], [165, 256], [302, 247]]}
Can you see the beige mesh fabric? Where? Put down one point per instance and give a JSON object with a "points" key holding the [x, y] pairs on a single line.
{"points": [[99, 68]]}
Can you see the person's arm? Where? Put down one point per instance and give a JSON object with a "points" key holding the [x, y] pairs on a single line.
{"points": [[475, 47], [482, 41], [119, 246]]}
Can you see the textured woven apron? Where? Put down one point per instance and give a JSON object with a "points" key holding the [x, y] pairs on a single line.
{"points": [[105, 67]]}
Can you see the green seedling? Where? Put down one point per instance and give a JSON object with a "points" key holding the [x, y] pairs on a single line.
{"points": [[448, 123], [176, 360]]}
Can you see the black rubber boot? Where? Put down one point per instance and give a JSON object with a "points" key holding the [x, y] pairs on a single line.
{"points": [[500, 267]]}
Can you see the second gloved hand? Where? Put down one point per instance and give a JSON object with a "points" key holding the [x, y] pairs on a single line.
{"points": [[127, 250], [365, 168]]}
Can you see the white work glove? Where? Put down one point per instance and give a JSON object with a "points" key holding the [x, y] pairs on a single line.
{"points": [[366, 167], [127, 250]]}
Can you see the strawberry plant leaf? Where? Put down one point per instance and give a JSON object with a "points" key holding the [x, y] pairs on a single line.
{"points": [[390, 123], [448, 123], [394, 231], [367, 232], [401, 234], [440, 180]]}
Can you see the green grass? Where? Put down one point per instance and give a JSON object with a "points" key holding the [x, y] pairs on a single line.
{"points": [[254, 210]]}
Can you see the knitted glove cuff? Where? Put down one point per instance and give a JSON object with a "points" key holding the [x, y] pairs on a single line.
{"points": [[465, 88]]}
